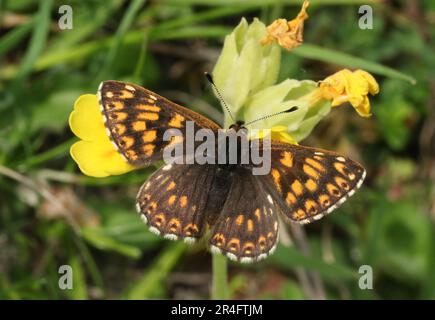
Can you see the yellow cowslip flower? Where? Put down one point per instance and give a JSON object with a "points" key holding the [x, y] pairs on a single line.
{"points": [[276, 133], [353, 87], [94, 153], [288, 34]]}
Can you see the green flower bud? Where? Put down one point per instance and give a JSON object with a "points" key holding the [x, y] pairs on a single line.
{"points": [[245, 66]]}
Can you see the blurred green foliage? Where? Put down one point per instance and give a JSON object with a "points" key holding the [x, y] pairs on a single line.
{"points": [[51, 215]]}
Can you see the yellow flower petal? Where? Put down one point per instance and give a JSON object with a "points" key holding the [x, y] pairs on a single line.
{"points": [[94, 153], [353, 87], [86, 120], [288, 34], [276, 133]]}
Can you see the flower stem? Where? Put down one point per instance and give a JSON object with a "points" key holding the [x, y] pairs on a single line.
{"points": [[220, 281]]}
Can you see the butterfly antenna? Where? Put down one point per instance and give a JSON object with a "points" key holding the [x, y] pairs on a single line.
{"points": [[272, 115], [210, 79]]}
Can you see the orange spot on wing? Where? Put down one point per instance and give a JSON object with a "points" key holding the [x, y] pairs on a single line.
{"points": [[171, 186], [315, 164], [119, 129], [250, 225], [148, 149], [248, 247], [148, 116], [297, 187], [191, 229], [149, 136], [290, 199], [324, 200], [147, 107], [126, 142], [258, 214], [299, 214], [311, 185], [139, 125], [239, 219], [125, 94], [276, 178], [116, 105], [118, 116], [159, 219], [183, 201], [234, 244], [311, 206], [342, 183], [131, 154], [310, 171], [176, 121], [287, 159], [333, 190], [172, 199], [219, 239], [262, 242], [174, 225]]}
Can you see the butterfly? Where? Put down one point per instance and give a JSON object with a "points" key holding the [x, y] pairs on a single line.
{"points": [[236, 210]]}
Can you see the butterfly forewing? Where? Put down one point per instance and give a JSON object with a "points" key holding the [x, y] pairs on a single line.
{"points": [[173, 200], [136, 120], [308, 183], [246, 229]]}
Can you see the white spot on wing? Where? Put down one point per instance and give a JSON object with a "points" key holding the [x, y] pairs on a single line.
{"points": [[189, 240], [262, 256], [129, 87], [167, 167], [341, 159], [269, 198], [246, 260], [318, 216], [231, 256], [155, 230], [272, 250], [144, 218], [215, 250], [170, 236]]}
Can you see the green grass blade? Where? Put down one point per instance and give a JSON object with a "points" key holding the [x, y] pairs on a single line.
{"points": [[264, 3], [13, 37], [37, 43], [311, 51], [125, 24], [153, 277], [290, 258]]}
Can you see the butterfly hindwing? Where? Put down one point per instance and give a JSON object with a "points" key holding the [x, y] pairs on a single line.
{"points": [[308, 183], [246, 229], [136, 120], [173, 200]]}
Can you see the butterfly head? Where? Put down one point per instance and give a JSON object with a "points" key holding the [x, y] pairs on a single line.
{"points": [[239, 125]]}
